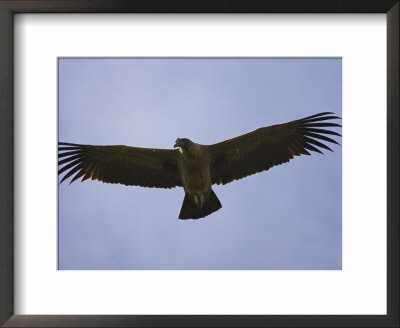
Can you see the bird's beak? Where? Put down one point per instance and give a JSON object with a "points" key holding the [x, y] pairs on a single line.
{"points": [[177, 142]]}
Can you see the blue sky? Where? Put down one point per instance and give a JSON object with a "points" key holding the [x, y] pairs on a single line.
{"points": [[287, 218]]}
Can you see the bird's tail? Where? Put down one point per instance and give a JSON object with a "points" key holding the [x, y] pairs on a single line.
{"points": [[191, 211]]}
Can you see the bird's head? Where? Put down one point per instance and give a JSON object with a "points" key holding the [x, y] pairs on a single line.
{"points": [[183, 143]]}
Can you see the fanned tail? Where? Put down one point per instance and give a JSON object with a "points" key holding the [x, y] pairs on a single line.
{"points": [[191, 211]]}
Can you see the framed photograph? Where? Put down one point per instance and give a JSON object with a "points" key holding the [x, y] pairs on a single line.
{"points": [[149, 110], [229, 97]]}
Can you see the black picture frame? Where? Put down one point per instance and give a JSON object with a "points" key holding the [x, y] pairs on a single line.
{"points": [[10, 7]]}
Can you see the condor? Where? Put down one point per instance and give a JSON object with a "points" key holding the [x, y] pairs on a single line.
{"points": [[197, 167]]}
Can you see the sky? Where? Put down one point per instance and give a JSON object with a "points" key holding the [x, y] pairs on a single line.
{"points": [[286, 218]]}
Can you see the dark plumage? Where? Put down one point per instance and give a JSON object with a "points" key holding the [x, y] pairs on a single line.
{"points": [[197, 167]]}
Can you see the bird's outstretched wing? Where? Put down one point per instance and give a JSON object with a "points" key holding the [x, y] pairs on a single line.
{"points": [[129, 166], [266, 147]]}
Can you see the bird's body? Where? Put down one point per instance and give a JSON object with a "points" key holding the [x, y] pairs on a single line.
{"points": [[195, 172], [194, 169], [197, 167]]}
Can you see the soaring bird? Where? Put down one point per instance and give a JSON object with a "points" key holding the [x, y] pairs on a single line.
{"points": [[197, 167]]}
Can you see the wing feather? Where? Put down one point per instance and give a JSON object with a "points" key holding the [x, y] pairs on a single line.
{"points": [[129, 166], [266, 147]]}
